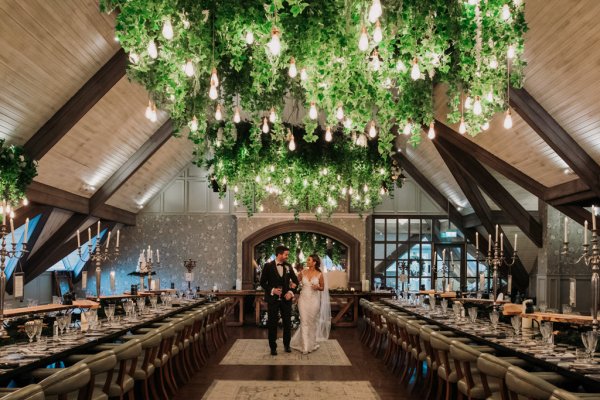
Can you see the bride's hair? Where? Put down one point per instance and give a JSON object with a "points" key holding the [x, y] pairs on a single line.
{"points": [[317, 261]]}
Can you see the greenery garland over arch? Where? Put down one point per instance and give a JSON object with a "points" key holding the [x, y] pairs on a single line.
{"points": [[361, 67], [17, 171], [307, 242]]}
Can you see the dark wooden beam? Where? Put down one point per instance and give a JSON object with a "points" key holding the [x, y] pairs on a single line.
{"points": [[492, 161], [557, 138], [45, 212], [30, 211], [498, 217], [497, 192], [51, 196], [570, 193], [142, 155], [577, 214], [77, 106]]}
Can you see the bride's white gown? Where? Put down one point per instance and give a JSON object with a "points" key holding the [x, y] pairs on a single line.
{"points": [[309, 306]]}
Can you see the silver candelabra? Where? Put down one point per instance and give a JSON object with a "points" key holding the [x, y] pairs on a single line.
{"points": [[146, 262], [495, 259]]}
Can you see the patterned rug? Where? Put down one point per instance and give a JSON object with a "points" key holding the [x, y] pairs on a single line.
{"points": [[256, 352], [310, 390]]}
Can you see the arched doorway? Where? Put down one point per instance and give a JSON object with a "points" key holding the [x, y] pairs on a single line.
{"points": [[249, 243]]}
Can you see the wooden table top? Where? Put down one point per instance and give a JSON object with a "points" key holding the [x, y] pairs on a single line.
{"points": [[483, 301], [555, 317], [120, 296], [45, 308]]}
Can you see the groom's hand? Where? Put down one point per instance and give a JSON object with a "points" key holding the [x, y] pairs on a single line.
{"points": [[293, 285], [289, 295]]}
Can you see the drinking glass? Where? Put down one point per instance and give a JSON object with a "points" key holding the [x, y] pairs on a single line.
{"points": [[566, 309], [516, 323], [153, 302], [590, 341], [456, 308], [494, 318], [39, 325], [543, 307], [444, 304], [546, 328], [473, 314], [141, 304], [30, 330], [377, 285], [110, 312]]}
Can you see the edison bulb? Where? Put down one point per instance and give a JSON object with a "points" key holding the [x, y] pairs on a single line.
{"points": [[375, 11], [490, 96], [292, 71], [189, 68], [431, 132], [148, 112], [468, 103], [363, 42], [152, 50], [400, 66], [328, 135], [462, 128], [477, 106], [312, 113], [407, 129], [508, 120], [214, 79], [493, 63], [167, 29], [347, 123], [265, 127], [220, 204], [212, 93], [134, 58], [218, 113], [272, 115], [303, 74], [339, 113], [505, 12], [375, 62], [249, 37], [275, 43], [377, 33], [415, 72], [510, 53], [153, 117], [25, 201], [236, 116], [485, 126], [194, 124], [292, 144], [372, 130]]}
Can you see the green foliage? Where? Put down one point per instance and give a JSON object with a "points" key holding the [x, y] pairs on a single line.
{"points": [[457, 43], [17, 171], [308, 243]]}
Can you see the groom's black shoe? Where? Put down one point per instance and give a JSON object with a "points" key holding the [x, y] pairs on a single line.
{"points": [[288, 349], [273, 352]]}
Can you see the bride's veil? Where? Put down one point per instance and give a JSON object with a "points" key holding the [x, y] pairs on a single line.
{"points": [[324, 321]]}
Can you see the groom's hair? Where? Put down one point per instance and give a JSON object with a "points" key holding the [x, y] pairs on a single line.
{"points": [[281, 249]]}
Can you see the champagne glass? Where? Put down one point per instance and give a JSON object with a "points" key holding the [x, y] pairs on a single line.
{"points": [[590, 341], [39, 325], [153, 302], [30, 330], [516, 323], [110, 312], [473, 314], [494, 318], [546, 331], [444, 304]]}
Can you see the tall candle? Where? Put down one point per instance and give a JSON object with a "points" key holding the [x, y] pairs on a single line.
{"points": [[26, 230], [481, 281], [593, 218], [516, 236], [566, 229], [443, 256], [477, 240], [451, 258], [509, 283], [435, 258], [496, 233], [89, 235], [157, 256], [118, 234], [585, 229], [112, 280], [78, 239], [502, 242], [98, 229], [108, 240], [490, 243], [12, 231]]}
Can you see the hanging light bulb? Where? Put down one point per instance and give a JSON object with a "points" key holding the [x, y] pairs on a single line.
{"points": [[235, 203], [493, 63], [220, 204], [303, 74], [517, 3], [510, 53], [462, 128], [347, 123], [477, 106], [272, 115], [152, 50], [468, 103], [249, 37], [375, 11], [194, 124], [400, 66], [212, 93], [328, 135], [261, 208], [372, 130], [292, 71], [508, 120], [189, 68], [275, 43], [265, 127], [350, 191], [490, 96], [25, 201], [134, 58], [312, 112], [214, 79], [485, 126], [382, 191], [377, 33], [407, 128], [339, 113], [431, 132], [363, 42], [361, 140], [375, 62], [292, 143], [505, 12], [218, 113], [148, 112], [415, 72], [167, 29], [236, 116]]}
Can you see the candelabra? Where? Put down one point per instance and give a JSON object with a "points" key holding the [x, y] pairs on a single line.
{"points": [[6, 253], [495, 259], [146, 262], [189, 266], [97, 256]]}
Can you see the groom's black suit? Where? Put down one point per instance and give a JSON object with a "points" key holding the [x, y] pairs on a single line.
{"points": [[270, 279]]}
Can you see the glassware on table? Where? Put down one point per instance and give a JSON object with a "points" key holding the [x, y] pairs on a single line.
{"points": [[494, 318], [543, 307], [444, 304], [590, 341], [141, 304], [566, 309], [110, 312], [30, 330], [473, 314], [546, 329], [516, 323], [153, 302], [39, 325], [456, 307]]}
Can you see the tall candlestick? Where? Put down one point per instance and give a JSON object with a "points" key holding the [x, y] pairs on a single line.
{"points": [[593, 218], [12, 231], [502, 242], [118, 234], [490, 243], [477, 240], [481, 281], [496, 233], [157, 256], [98, 229], [90, 235], [112, 280], [26, 230], [108, 240], [435, 258], [78, 239], [451, 258], [509, 284], [566, 230], [443, 256], [585, 229], [516, 236]]}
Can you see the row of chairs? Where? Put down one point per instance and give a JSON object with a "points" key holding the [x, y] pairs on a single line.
{"points": [[151, 363], [439, 364]]}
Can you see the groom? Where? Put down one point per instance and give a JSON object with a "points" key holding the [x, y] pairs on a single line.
{"points": [[279, 282]]}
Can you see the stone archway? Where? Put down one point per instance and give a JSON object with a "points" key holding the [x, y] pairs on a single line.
{"points": [[250, 242]]}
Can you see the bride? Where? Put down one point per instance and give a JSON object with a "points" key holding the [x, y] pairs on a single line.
{"points": [[314, 308]]}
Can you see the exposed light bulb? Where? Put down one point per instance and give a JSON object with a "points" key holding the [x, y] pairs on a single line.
{"points": [[194, 124], [272, 115], [361, 140], [235, 203], [134, 58], [468, 103], [505, 12], [236, 189], [377, 33], [312, 113], [365, 188], [220, 204], [375, 11], [490, 96], [372, 130], [462, 128], [212, 93], [347, 123], [407, 129], [415, 72], [363, 42], [292, 71], [375, 62], [493, 63], [189, 68], [303, 74], [477, 106], [236, 116], [485, 126], [517, 3], [510, 53], [214, 79], [275, 43], [249, 37], [508, 120], [152, 50], [328, 135], [148, 112], [339, 113], [25, 201], [261, 208], [167, 29], [218, 113], [292, 144], [265, 127], [400, 66], [382, 191], [431, 132]]}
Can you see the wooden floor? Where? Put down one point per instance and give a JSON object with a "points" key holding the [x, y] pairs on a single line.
{"points": [[364, 367]]}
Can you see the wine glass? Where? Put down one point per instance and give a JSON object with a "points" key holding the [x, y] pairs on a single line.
{"points": [[590, 341], [153, 302], [546, 331], [444, 304], [30, 330], [110, 312], [473, 314], [39, 325], [494, 318], [516, 323], [543, 307]]}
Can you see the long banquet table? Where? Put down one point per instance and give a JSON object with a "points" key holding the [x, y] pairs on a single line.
{"points": [[29, 358], [559, 358]]}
